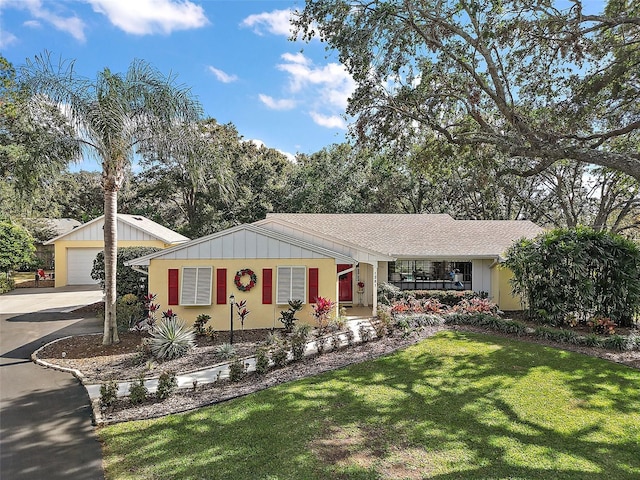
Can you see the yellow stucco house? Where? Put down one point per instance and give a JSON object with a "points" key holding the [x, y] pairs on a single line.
{"points": [[342, 257], [75, 250]]}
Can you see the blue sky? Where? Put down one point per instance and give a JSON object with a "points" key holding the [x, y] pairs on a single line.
{"points": [[234, 54]]}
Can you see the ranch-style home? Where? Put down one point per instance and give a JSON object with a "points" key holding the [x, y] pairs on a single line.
{"points": [[342, 257], [75, 250]]}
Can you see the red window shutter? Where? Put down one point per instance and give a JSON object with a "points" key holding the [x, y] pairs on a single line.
{"points": [[221, 286], [313, 285], [173, 286], [267, 286]]}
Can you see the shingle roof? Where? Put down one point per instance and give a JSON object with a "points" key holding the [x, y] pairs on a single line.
{"points": [[152, 228], [414, 235], [138, 222]]}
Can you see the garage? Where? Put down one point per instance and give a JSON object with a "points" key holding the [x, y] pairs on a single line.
{"points": [[79, 265]]}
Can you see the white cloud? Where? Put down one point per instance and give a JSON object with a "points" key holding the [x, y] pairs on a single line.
{"points": [[329, 121], [324, 90], [145, 17], [282, 104], [277, 22], [32, 24], [71, 24], [7, 38], [333, 81], [260, 143], [222, 76]]}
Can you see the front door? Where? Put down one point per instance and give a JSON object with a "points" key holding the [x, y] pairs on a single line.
{"points": [[345, 284]]}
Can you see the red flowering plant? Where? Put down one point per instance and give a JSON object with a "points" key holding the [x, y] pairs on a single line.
{"points": [[241, 308], [477, 305], [433, 305], [169, 315], [399, 307], [321, 311], [149, 322]]}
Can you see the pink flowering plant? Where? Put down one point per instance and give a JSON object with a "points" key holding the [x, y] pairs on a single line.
{"points": [[322, 311]]}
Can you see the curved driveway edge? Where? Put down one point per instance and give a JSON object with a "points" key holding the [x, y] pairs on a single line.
{"points": [[45, 415]]}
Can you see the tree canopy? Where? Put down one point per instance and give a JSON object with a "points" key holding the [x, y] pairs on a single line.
{"points": [[537, 82], [16, 246]]}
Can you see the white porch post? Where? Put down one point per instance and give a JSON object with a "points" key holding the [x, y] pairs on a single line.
{"points": [[375, 289]]}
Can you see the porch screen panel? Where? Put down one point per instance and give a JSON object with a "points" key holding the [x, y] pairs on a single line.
{"points": [[173, 293], [221, 286]]}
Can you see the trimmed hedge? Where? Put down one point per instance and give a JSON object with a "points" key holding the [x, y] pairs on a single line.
{"points": [[387, 293], [560, 335]]}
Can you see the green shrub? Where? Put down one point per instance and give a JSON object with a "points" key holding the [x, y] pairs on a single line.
{"points": [[129, 312], [138, 392], [199, 324], [237, 370], [591, 340], [288, 317], [108, 393], [321, 344], [226, 351], [633, 341], [614, 342], [167, 383], [262, 360], [171, 338], [365, 331], [6, 285], [578, 273], [379, 327], [280, 354], [299, 341]]}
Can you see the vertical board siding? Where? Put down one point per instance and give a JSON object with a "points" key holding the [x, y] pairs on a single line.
{"points": [[221, 286], [174, 274], [267, 286]]}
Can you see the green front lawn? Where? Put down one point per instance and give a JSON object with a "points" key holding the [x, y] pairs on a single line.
{"points": [[455, 406]]}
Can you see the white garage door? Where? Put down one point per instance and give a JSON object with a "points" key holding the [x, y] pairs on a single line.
{"points": [[79, 265]]}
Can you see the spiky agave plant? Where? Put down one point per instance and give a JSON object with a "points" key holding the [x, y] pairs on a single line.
{"points": [[171, 338]]}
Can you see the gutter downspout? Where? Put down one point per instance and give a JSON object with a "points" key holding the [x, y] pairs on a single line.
{"points": [[138, 269]]}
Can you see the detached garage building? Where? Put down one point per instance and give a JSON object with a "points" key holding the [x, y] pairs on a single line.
{"points": [[76, 250]]}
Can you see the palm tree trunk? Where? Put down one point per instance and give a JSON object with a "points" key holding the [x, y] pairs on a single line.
{"points": [[110, 264]]}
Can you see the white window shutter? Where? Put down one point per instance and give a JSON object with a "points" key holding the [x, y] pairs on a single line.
{"points": [[298, 283], [188, 291], [203, 295], [291, 284], [196, 286]]}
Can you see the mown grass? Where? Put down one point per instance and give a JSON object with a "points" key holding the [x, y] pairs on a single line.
{"points": [[455, 406]]}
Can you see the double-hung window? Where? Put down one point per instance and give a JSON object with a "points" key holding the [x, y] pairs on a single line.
{"points": [[291, 284], [196, 286]]}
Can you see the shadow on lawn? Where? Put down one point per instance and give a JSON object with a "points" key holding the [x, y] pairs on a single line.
{"points": [[448, 408]]}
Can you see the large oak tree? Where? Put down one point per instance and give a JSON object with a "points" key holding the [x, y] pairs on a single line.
{"points": [[536, 82]]}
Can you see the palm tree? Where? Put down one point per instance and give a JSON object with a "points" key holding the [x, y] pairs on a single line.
{"points": [[114, 115]]}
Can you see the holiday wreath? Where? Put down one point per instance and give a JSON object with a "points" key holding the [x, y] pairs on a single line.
{"points": [[252, 279]]}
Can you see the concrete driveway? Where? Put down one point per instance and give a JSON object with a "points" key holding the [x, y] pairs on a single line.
{"points": [[45, 418]]}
